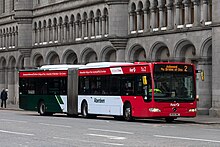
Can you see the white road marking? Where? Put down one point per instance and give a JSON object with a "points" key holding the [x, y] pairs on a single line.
{"points": [[17, 133], [107, 143], [107, 136], [113, 131], [55, 125], [212, 130], [185, 138], [10, 120]]}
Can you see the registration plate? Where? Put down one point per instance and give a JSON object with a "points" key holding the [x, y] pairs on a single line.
{"points": [[174, 114]]}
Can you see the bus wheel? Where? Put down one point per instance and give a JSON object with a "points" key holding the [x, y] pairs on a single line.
{"points": [[127, 112], [84, 109], [42, 108], [169, 119]]}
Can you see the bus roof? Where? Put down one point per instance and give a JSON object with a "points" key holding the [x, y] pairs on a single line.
{"points": [[105, 64], [97, 65], [59, 67]]}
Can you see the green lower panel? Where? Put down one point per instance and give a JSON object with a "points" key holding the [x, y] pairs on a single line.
{"points": [[30, 102]]}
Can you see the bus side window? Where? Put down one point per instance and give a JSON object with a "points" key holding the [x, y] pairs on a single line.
{"points": [[114, 85], [128, 85]]}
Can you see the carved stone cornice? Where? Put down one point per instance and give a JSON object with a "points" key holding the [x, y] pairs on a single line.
{"points": [[119, 43], [26, 52]]}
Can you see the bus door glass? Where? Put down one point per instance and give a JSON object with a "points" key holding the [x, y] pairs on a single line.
{"points": [[143, 86]]}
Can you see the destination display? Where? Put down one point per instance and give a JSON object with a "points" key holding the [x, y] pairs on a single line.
{"points": [[41, 74], [173, 68]]}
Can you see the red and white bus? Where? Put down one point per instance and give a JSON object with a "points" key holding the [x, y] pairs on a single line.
{"points": [[129, 90]]}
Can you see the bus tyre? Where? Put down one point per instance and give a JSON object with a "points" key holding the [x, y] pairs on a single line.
{"points": [[84, 110], [42, 108], [169, 119], [127, 112]]}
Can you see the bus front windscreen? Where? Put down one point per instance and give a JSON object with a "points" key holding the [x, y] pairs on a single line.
{"points": [[174, 86]]}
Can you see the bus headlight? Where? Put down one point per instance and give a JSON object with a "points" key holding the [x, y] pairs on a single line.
{"points": [[192, 110], [154, 110]]}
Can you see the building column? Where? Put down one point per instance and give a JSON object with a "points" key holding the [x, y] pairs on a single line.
{"points": [[13, 39], [34, 35], [93, 27], [146, 20], [215, 110], [77, 29], [196, 11], [0, 40], [65, 32], [177, 16], [107, 24], [89, 28], [103, 25], [83, 28], [96, 26], [170, 15], [1, 7], [39, 35], [187, 14], [153, 16], [53, 33], [59, 33], [100, 25], [139, 23], [71, 31], [205, 11], [50, 34], [44, 34], [74, 31], [132, 21], [16, 39], [6, 40], [161, 15], [10, 39]]}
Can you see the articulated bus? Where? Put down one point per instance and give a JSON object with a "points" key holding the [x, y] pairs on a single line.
{"points": [[123, 90]]}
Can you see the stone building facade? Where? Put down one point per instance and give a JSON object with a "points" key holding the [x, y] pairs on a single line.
{"points": [[39, 32]]}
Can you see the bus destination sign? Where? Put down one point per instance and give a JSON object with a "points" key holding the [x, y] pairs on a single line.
{"points": [[173, 68]]}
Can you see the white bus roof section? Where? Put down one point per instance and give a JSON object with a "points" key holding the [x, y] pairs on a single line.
{"points": [[87, 66], [59, 67], [104, 64]]}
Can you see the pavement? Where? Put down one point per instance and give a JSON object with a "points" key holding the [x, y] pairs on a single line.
{"points": [[199, 119]]}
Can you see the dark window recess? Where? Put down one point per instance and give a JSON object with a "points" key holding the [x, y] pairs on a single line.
{"points": [[43, 86]]}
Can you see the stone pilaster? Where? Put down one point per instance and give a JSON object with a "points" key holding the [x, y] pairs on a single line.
{"points": [[26, 52], [118, 23], [204, 90]]}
